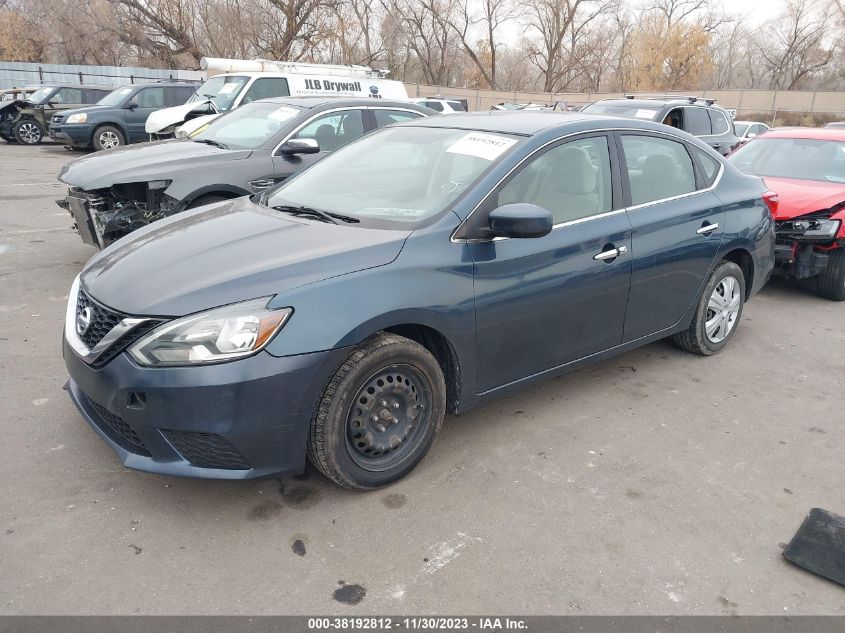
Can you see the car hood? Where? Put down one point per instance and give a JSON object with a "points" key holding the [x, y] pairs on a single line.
{"points": [[16, 103], [225, 253], [800, 197], [85, 110], [140, 163], [161, 119]]}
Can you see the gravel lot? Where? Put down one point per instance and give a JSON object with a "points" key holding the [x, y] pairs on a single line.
{"points": [[653, 483]]}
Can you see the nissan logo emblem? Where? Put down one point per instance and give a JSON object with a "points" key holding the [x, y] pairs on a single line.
{"points": [[83, 320]]}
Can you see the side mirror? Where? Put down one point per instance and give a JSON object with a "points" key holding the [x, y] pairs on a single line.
{"points": [[520, 219], [752, 135], [300, 146], [130, 106]]}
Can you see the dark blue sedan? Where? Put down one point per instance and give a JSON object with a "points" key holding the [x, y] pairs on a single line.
{"points": [[421, 270]]}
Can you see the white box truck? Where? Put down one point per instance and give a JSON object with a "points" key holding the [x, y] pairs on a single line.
{"points": [[233, 82]]}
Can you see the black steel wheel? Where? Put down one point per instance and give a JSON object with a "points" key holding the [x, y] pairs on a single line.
{"points": [[379, 413]]}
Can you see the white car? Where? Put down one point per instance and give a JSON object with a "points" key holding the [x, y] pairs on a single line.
{"points": [[746, 130], [443, 106]]}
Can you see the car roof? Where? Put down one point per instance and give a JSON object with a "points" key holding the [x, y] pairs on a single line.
{"points": [[822, 134], [530, 122], [752, 123], [313, 102], [86, 86]]}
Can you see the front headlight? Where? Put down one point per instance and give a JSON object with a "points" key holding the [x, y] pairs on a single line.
{"points": [[822, 228], [219, 335], [77, 118]]}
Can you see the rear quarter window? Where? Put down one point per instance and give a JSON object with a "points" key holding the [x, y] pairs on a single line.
{"points": [[709, 166], [718, 122]]}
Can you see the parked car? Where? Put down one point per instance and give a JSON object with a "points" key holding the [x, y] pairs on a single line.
{"points": [[422, 269], [700, 117], [836, 125], [245, 80], [806, 168], [438, 104], [119, 117], [746, 130], [17, 94], [519, 106], [246, 151], [26, 121]]}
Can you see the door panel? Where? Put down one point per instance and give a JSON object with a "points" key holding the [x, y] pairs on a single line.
{"points": [[544, 302], [149, 100], [671, 257]]}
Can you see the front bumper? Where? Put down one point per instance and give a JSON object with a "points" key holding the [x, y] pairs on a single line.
{"points": [[238, 420], [75, 135]]}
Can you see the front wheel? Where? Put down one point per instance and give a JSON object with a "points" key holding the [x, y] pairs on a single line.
{"points": [[718, 313], [107, 137], [831, 283], [28, 132], [379, 414]]}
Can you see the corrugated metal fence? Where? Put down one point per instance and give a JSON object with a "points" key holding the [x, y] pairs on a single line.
{"points": [[19, 74]]}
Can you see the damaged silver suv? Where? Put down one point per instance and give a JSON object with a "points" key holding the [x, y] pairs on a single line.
{"points": [[245, 151]]}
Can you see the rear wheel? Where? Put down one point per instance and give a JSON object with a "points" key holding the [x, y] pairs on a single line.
{"points": [[107, 137], [718, 313], [831, 283], [28, 131], [379, 414]]}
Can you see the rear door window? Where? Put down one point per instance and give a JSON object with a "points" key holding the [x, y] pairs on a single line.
{"points": [[457, 106], [658, 168], [434, 105], [696, 121], [177, 95]]}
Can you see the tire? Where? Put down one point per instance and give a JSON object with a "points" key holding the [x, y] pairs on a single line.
{"points": [[28, 132], [727, 278], [207, 199], [107, 137], [831, 283], [354, 439]]}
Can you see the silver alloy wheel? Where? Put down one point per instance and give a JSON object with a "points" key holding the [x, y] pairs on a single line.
{"points": [[723, 309], [29, 133], [108, 140]]}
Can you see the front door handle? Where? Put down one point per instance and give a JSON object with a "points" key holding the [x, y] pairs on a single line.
{"points": [[613, 253], [707, 228]]}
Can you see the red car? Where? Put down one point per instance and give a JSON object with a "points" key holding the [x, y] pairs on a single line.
{"points": [[806, 168]]}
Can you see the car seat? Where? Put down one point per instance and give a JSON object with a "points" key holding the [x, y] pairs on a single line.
{"points": [[326, 137], [569, 190]]}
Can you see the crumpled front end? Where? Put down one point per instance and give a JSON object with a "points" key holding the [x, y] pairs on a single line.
{"points": [[105, 215], [9, 113], [804, 243]]}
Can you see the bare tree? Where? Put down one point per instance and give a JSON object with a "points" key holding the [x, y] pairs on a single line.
{"points": [[794, 47]]}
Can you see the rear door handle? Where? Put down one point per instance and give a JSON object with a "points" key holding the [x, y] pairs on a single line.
{"points": [[707, 228], [613, 253]]}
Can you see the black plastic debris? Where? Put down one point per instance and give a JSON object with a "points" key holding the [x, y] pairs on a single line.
{"points": [[819, 545]]}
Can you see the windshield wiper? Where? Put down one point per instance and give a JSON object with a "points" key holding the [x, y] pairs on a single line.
{"points": [[328, 216], [209, 141]]}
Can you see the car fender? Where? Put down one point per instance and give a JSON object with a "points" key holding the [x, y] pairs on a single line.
{"points": [[215, 188]]}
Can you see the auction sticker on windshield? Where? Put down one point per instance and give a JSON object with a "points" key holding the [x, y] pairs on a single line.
{"points": [[486, 146], [283, 114], [227, 88], [644, 114]]}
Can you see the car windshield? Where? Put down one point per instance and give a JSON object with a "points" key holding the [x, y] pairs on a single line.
{"points": [[798, 158], [249, 126], [221, 90], [115, 97], [397, 177], [740, 128], [629, 111], [41, 95]]}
